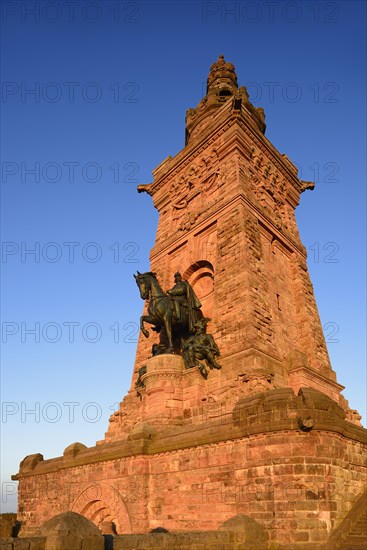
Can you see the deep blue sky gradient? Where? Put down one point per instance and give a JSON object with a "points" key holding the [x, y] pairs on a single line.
{"points": [[311, 54]]}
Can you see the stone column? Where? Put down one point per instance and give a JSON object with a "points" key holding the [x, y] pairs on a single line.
{"points": [[163, 386]]}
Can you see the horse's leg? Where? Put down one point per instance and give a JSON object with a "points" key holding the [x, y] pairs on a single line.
{"points": [[146, 319], [168, 326]]}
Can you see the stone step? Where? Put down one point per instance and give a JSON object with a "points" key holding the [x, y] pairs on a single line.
{"points": [[350, 542], [357, 538], [354, 543]]}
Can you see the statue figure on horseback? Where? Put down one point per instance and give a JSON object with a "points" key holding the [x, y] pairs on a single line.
{"points": [[177, 317], [186, 303], [172, 314]]}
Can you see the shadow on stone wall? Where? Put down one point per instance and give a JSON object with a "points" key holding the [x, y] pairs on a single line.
{"points": [[9, 525]]}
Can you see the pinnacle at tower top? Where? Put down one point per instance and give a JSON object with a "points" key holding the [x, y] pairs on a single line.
{"points": [[221, 86]]}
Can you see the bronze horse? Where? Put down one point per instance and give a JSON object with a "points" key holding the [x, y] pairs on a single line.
{"points": [[161, 314]]}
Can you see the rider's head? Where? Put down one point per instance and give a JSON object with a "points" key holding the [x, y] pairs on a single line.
{"points": [[178, 277]]}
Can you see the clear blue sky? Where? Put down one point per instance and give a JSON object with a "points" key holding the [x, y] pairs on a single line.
{"points": [[111, 87]]}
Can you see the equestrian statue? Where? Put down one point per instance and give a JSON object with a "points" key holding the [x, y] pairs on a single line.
{"points": [[172, 314], [176, 315]]}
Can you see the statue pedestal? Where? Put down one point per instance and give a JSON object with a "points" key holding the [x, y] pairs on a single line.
{"points": [[163, 387]]}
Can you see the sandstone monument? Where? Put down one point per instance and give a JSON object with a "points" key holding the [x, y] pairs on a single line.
{"points": [[234, 432]]}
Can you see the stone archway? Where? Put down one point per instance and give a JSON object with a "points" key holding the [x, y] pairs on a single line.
{"points": [[103, 505], [201, 277]]}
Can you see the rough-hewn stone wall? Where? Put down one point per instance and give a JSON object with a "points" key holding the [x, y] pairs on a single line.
{"points": [[266, 461]]}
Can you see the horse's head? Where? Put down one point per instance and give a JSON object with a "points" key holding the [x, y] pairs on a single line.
{"points": [[143, 280]]}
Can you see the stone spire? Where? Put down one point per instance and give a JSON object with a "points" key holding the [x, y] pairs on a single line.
{"points": [[222, 77], [221, 90]]}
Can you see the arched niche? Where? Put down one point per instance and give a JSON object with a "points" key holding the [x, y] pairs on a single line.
{"points": [[201, 277], [103, 504]]}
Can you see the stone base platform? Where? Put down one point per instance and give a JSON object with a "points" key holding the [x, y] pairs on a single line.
{"points": [[293, 464]]}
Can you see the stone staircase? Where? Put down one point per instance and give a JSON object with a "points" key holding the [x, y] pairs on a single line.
{"points": [[351, 534], [357, 537]]}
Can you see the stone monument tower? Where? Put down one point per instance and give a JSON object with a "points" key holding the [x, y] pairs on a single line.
{"points": [[267, 437]]}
